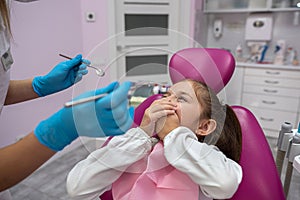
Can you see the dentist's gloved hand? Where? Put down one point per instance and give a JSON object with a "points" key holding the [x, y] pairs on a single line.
{"points": [[62, 76], [107, 116]]}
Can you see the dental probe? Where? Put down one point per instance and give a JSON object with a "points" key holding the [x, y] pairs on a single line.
{"points": [[83, 100]]}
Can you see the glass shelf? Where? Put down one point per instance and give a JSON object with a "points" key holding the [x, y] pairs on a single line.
{"points": [[285, 4], [247, 6]]}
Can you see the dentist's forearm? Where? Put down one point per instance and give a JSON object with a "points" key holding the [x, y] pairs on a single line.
{"points": [[19, 91], [19, 160]]}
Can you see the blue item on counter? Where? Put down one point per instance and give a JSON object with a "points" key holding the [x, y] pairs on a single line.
{"points": [[277, 48], [263, 53]]}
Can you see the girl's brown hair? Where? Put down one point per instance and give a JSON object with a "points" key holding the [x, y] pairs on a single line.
{"points": [[5, 14], [228, 135]]}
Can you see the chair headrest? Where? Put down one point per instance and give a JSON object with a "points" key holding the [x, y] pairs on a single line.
{"points": [[211, 66]]}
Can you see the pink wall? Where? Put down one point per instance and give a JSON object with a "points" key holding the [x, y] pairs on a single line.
{"points": [[95, 37], [41, 31], [97, 31]]}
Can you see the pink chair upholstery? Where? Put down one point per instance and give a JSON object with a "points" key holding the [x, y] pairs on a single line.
{"points": [[215, 67], [260, 177], [139, 111], [212, 66]]}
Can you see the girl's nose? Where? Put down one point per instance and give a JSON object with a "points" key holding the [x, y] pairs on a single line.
{"points": [[172, 98]]}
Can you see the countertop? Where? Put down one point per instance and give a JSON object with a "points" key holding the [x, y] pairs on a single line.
{"points": [[269, 66]]}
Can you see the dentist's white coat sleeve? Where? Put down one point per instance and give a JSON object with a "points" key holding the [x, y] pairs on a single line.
{"points": [[217, 175], [94, 175]]}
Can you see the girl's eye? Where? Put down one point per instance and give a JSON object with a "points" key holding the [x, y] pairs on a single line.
{"points": [[181, 99]]}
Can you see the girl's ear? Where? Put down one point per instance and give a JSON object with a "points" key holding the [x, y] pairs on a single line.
{"points": [[206, 127]]}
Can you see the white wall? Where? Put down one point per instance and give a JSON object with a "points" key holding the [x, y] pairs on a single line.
{"points": [[234, 31]]}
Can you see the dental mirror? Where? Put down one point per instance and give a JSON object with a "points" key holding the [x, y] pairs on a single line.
{"points": [[99, 72]]}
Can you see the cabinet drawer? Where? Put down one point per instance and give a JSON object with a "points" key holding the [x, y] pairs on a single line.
{"points": [[273, 73], [271, 102], [270, 119], [278, 91], [273, 134], [273, 82]]}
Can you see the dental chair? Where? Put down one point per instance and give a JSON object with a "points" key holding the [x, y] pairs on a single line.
{"points": [[215, 68]]}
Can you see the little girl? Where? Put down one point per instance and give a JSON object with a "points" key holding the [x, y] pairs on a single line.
{"points": [[193, 154]]}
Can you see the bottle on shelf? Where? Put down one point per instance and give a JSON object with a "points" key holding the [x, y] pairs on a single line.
{"points": [[239, 53], [295, 59], [163, 89], [280, 52], [156, 88]]}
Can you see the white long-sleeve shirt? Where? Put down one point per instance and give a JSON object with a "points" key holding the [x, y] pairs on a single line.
{"points": [[217, 176]]}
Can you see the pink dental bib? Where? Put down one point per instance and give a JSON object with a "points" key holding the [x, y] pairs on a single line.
{"points": [[153, 178]]}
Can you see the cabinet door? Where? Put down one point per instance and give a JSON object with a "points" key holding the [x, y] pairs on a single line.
{"points": [[271, 102], [273, 73], [271, 119], [272, 82], [272, 91]]}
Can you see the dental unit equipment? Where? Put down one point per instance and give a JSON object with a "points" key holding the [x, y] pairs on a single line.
{"points": [[137, 93], [288, 146], [292, 152], [99, 72], [285, 134]]}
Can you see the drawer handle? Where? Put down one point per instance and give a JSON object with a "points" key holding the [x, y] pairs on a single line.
{"points": [[271, 82], [267, 119], [272, 73], [270, 91], [269, 102]]}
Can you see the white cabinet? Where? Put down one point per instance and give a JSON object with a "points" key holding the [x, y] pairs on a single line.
{"points": [[272, 93]]}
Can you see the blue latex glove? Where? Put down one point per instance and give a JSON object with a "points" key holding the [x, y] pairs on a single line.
{"points": [[62, 76], [107, 116]]}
